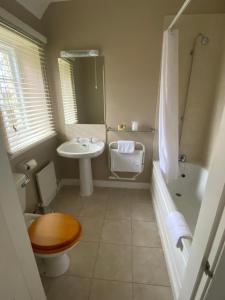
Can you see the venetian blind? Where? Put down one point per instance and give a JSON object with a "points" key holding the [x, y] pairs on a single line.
{"points": [[25, 104], [68, 91]]}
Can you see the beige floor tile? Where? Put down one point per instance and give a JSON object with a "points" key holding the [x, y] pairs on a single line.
{"points": [[69, 288], [106, 216], [116, 231], [143, 212], [97, 198], [69, 191], [82, 259], [101, 193], [145, 234], [73, 209], [117, 213], [149, 266], [68, 201], [120, 194], [119, 197], [94, 210], [91, 229], [151, 292], [46, 282], [110, 290], [119, 209], [141, 196], [114, 262]]}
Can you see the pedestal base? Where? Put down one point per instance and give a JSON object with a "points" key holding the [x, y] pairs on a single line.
{"points": [[86, 182], [53, 266]]}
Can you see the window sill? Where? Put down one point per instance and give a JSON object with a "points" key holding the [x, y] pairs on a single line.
{"points": [[20, 152]]}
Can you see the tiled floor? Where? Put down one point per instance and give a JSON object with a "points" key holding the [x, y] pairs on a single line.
{"points": [[119, 256]]}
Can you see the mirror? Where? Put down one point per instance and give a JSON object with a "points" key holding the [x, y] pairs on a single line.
{"points": [[82, 86]]}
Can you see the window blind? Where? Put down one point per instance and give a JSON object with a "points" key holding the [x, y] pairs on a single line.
{"points": [[68, 91], [25, 105]]}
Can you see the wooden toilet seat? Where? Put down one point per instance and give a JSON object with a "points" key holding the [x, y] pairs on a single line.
{"points": [[54, 232]]}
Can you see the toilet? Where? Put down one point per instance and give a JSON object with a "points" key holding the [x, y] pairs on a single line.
{"points": [[52, 235]]}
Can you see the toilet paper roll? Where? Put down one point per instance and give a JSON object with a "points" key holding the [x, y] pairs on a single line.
{"points": [[30, 165]]}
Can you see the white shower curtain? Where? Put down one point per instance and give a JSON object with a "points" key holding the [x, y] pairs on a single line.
{"points": [[168, 107]]}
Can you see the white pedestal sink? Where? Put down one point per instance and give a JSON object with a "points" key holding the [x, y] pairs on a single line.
{"points": [[84, 150]]}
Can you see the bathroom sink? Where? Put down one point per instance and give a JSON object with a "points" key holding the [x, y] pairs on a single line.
{"points": [[83, 148]]}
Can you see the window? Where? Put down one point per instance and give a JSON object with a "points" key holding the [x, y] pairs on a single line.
{"points": [[68, 91], [25, 106]]}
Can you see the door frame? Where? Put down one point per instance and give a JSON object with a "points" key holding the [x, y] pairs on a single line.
{"points": [[17, 247]]}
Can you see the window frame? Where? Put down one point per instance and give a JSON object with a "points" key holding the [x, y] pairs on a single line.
{"points": [[14, 66]]}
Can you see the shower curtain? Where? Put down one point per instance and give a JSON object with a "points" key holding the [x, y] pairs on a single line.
{"points": [[168, 107]]}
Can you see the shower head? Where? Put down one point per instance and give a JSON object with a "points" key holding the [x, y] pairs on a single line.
{"points": [[200, 37], [204, 40]]}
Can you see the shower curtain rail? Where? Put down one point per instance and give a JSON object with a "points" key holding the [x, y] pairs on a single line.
{"points": [[180, 12]]}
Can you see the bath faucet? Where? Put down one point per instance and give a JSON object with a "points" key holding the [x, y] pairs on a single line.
{"points": [[182, 158]]}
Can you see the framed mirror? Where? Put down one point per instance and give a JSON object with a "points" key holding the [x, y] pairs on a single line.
{"points": [[82, 85]]}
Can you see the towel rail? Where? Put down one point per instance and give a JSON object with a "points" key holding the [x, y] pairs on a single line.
{"points": [[114, 145]]}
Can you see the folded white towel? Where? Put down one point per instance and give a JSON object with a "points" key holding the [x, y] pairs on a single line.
{"points": [[126, 146], [121, 162], [178, 228]]}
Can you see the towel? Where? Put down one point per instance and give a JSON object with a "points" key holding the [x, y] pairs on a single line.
{"points": [[121, 162], [178, 228], [126, 146]]}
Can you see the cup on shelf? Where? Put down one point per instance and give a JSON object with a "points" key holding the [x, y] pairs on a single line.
{"points": [[134, 125]]}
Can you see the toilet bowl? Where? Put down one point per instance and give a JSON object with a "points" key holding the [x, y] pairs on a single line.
{"points": [[52, 236]]}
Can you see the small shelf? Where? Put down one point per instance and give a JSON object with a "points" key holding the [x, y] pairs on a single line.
{"points": [[128, 130]]}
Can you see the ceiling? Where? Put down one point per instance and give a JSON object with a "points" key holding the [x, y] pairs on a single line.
{"points": [[37, 7]]}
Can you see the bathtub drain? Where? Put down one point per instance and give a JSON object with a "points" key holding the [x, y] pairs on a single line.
{"points": [[178, 195]]}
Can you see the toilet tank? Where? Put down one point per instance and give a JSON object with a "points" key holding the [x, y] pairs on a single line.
{"points": [[21, 180]]}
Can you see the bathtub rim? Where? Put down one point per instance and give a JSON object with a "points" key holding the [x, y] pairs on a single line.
{"points": [[174, 265]]}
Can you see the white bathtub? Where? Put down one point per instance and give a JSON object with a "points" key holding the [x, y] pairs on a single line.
{"points": [[184, 194]]}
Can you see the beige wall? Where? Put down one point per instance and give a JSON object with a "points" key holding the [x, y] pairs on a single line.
{"points": [[129, 35], [201, 97], [217, 110], [45, 151], [20, 12]]}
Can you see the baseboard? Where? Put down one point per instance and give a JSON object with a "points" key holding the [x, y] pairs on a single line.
{"points": [[122, 184], [59, 185], [69, 181], [107, 183]]}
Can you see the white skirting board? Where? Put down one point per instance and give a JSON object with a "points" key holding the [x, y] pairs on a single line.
{"points": [[108, 184]]}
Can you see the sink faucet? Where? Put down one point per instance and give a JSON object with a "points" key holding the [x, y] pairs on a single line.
{"points": [[90, 140], [78, 139], [182, 158]]}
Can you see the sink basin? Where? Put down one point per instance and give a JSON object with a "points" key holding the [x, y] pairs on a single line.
{"points": [[84, 150], [81, 149]]}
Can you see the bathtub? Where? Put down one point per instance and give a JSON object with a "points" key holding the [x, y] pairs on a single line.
{"points": [[185, 194]]}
